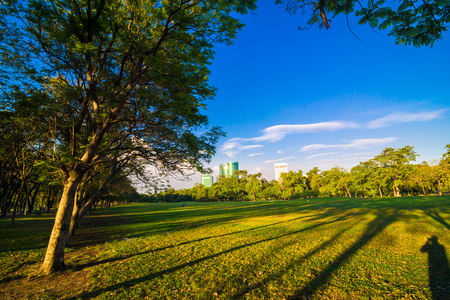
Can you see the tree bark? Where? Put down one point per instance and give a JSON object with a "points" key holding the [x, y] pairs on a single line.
{"points": [[54, 257]]}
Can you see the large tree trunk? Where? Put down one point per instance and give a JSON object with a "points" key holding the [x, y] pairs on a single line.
{"points": [[54, 258]]}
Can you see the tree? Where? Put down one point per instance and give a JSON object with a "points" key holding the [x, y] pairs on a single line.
{"points": [[335, 182], [136, 70], [421, 177], [199, 192], [313, 181], [293, 184], [254, 185], [418, 23], [271, 190], [395, 165], [369, 178], [442, 171]]}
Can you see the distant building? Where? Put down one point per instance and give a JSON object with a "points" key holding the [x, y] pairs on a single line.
{"points": [[280, 168], [207, 180], [226, 170]]}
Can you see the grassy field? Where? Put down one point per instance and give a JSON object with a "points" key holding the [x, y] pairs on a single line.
{"points": [[333, 248]]}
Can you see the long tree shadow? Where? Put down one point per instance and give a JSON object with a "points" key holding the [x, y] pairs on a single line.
{"points": [[90, 238], [435, 216], [438, 269], [197, 261], [114, 259], [309, 217], [292, 264], [383, 219]]}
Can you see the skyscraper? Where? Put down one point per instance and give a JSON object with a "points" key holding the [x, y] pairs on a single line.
{"points": [[207, 180], [226, 170], [280, 168]]}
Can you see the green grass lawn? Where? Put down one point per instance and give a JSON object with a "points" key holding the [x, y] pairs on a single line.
{"points": [[327, 248]]}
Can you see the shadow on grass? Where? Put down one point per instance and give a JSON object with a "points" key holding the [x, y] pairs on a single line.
{"points": [[384, 218], [435, 216], [292, 264], [151, 276], [96, 263], [438, 269], [228, 214], [10, 276]]}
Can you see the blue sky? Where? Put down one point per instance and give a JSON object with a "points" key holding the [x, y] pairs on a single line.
{"points": [[323, 98]]}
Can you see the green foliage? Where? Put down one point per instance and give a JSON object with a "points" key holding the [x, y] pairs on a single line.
{"points": [[417, 23]]}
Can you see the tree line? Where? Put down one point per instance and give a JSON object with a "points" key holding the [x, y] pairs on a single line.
{"points": [[391, 173]]}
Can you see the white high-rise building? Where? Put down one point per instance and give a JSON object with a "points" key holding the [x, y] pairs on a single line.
{"points": [[207, 180], [280, 168]]}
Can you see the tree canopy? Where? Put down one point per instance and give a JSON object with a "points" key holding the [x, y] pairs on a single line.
{"points": [[409, 22], [113, 81]]}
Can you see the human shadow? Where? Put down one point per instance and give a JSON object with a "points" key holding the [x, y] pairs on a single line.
{"points": [[438, 269]]}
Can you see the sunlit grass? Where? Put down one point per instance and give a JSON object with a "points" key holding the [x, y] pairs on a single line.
{"points": [[322, 248]]}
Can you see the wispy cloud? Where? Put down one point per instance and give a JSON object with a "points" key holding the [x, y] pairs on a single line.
{"points": [[358, 158], [355, 144], [399, 117], [231, 148], [278, 132], [324, 161], [250, 147], [356, 154], [322, 154], [277, 160], [255, 154]]}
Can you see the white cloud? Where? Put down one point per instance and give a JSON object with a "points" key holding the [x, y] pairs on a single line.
{"points": [[231, 154], [358, 158], [398, 118], [322, 154], [277, 133], [355, 144], [277, 160], [324, 161], [356, 154], [255, 154], [230, 145], [250, 147]]}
